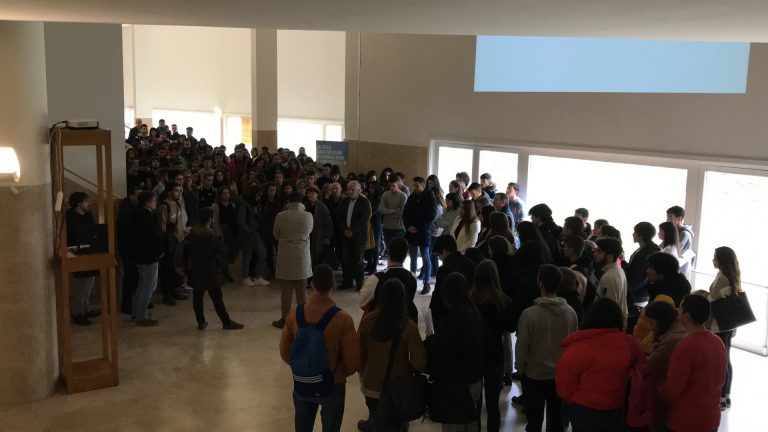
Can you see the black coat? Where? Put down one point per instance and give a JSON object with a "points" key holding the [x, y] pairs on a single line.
{"points": [[637, 279], [675, 286], [361, 214], [453, 263], [204, 257], [409, 282], [147, 237], [419, 212]]}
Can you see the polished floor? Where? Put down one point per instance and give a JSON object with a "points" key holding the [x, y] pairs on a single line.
{"points": [[176, 378]]}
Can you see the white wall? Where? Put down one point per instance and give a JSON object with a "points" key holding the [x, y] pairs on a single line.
{"points": [[310, 74], [414, 88], [84, 72], [192, 68]]}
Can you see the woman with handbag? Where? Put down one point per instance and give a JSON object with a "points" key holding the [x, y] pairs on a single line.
{"points": [[390, 348], [726, 283]]}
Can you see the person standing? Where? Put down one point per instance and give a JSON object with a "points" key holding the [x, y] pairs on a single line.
{"points": [[225, 226], [385, 329], [81, 283], [466, 227], [204, 257], [397, 250], [128, 206], [353, 214], [419, 212], [391, 210], [696, 373], [540, 330], [254, 264], [516, 204], [322, 227], [726, 283], [293, 227], [613, 283], [453, 262], [638, 263], [342, 346], [676, 215], [148, 249], [173, 221]]}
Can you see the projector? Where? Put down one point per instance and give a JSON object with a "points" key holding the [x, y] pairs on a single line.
{"points": [[83, 124]]}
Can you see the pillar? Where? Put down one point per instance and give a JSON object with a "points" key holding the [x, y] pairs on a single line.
{"points": [[28, 360], [264, 87]]}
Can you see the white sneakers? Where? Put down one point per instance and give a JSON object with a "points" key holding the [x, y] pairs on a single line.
{"points": [[253, 282]]}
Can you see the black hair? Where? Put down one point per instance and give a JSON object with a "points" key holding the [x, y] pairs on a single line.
{"points": [[485, 176], [541, 211], [550, 278], [664, 314], [294, 197], [474, 186], [419, 180], [445, 243], [486, 287], [392, 310], [610, 231], [610, 246], [145, 197], [475, 255], [204, 215], [576, 243], [575, 224], [397, 249], [582, 211], [676, 211], [463, 176], [601, 223], [514, 186], [671, 236], [454, 199], [322, 278], [646, 231], [76, 198], [697, 307], [604, 314], [664, 263]]}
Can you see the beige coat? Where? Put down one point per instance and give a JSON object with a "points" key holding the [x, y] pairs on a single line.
{"points": [[293, 227]]}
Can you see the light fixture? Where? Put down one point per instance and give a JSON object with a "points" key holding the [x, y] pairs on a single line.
{"points": [[10, 171]]}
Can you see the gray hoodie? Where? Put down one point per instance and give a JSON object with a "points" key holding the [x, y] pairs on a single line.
{"points": [[539, 332]]}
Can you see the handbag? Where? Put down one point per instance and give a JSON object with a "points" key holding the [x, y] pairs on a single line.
{"points": [[402, 398], [732, 311]]}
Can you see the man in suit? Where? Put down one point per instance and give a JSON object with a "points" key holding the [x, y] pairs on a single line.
{"points": [[353, 215]]}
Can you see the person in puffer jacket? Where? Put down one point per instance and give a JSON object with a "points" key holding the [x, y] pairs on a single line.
{"points": [[591, 375]]}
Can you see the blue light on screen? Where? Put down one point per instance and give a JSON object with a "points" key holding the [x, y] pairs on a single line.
{"points": [[549, 64]]}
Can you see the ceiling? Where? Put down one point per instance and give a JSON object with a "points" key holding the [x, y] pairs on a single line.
{"points": [[727, 20]]}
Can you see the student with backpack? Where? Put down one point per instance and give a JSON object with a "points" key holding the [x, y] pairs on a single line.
{"points": [[320, 344]]}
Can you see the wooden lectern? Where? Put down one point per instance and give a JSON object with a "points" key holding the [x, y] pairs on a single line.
{"points": [[100, 372]]}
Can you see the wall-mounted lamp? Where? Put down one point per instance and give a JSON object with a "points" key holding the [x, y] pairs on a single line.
{"points": [[10, 170]]}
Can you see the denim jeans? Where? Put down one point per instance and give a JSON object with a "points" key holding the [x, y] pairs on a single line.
{"points": [[144, 290], [585, 419], [433, 259], [331, 415], [260, 266], [389, 234], [425, 260]]}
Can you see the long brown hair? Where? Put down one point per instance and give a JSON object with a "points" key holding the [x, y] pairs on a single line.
{"points": [[486, 288], [728, 265], [468, 215]]}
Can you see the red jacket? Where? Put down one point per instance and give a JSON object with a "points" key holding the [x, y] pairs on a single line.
{"points": [[695, 375], [594, 368]]}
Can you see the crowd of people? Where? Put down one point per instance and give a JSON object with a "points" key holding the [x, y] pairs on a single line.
{"points": [[586, 318]]}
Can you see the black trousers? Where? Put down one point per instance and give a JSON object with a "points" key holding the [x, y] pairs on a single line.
{"points": [[537, 394], [218, 303], [130, 282], [169, 279], [352, 261], [382, 425], [726, 337]]}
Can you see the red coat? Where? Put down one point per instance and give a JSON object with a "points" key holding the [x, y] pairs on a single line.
{"points": [[594, 368], [695, 375]]}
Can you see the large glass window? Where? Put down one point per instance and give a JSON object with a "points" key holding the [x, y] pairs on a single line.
{"points": [[295, 133], [451, 160], [128, 120], [733, 213], [205, 124], [236, 131], [622, 193], [502, 166]]}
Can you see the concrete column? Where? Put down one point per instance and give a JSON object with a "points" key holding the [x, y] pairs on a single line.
{"points": [[264, 87], [28, 359]]}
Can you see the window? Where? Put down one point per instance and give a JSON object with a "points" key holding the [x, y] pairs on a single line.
{"points": [[205, 124], [622, 193], [451, 160], [295, 133], [128, 119], [237, 129], [557, 64], [502, 166], [733, 214]]}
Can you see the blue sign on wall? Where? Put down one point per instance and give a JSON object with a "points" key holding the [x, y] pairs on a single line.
{"points": [[332, 152]]}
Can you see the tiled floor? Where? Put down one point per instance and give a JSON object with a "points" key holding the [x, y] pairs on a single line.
{"points": [[175, 378]]}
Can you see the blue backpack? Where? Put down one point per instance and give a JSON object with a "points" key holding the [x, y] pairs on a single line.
{"points": [[309, 357]]}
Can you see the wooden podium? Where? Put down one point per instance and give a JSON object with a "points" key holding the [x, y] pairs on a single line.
{"points": [[93, 373]]}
